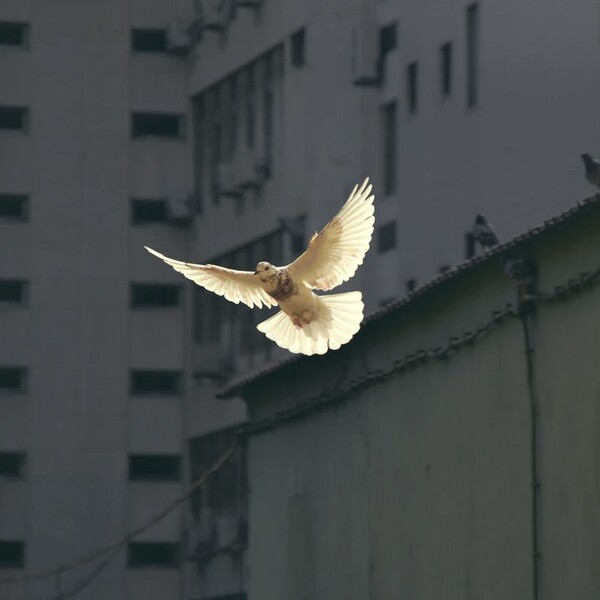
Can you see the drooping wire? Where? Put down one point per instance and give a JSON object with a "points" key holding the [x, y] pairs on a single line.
{"points": [[113, 548]]}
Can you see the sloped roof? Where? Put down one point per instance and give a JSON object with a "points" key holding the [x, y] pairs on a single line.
{"points": [[234, 386]]}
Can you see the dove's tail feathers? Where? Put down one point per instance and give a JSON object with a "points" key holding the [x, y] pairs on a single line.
{"points": [[346, 314], [338, 320]]}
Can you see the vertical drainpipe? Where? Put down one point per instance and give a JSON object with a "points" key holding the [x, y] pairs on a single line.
{"points": [[526, 303]]}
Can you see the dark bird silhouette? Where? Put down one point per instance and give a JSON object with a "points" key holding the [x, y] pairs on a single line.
{"points": [[483, 233], [592, 169]]}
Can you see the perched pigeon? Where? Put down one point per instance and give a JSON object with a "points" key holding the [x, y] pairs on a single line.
{"points": [[592, 169], [483, 232], [307, 323]]}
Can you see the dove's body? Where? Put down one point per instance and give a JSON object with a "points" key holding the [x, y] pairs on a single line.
{"points": [[307, 323]]}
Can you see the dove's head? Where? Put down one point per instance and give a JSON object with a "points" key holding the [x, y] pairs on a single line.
{"points": [[264, 270], [587, 158]]}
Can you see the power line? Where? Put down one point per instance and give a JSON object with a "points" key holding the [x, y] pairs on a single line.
{"points": [[112, 549]]}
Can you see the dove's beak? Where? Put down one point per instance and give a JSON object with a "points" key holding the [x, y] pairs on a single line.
{"points": [[256, 272]]}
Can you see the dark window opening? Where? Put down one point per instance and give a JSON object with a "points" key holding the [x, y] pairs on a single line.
{"points": [[268, 106], [154, 467], [13, 291], [389, 147], [298, 48], [386, 238], [387, 39], [217, 146], [215, 321], [232, 119], [213, 316], [225, 488], [149, 40], [250, 119], [412, 84], [12, 554], [13, 206], [387, 43], [12, 379], [14, 34], [472, 54], [153, 554], [446, 69], [469, 245], [154, 124], [12, 464], [156, 382], [14, 118], [410, 284], [200, 300], [148, 211], [199, 148], [147, 295]]}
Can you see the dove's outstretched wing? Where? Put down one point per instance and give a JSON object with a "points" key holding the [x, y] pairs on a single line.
{"points": [[235, 286], [334, 254]]}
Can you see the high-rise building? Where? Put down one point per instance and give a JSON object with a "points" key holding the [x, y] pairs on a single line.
{"points": [[94, 137]]}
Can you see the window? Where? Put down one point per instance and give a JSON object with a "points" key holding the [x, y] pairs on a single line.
{"points": [[446, 69], [232, 119], [12, 291], [149, 295], [387, 39], [472, 58], [386, 238], [148, 211], [389, 147], [14, 118], [153, 554], [13, 206], [412, 87], [12, 554], [149, 40], [156, 124], [154, 467], [211, 312], [250, 129], [268, 101], [199, 147], [12, 379], [14, 34], [216, 145], [225, 488], [297, 48], [12, 464], [156, 382]]}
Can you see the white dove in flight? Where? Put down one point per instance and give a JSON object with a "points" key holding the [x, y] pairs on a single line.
{"points": [[307, 323]]}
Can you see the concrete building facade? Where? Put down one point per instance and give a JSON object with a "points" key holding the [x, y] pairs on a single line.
{"points": [[93, 151], [447, 451], [295, 102]]}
